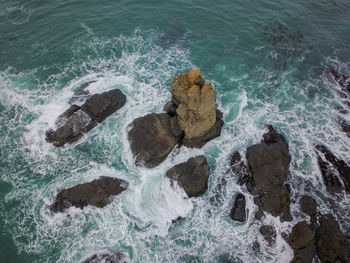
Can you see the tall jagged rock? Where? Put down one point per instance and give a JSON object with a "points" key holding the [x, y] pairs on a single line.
{"points": [[196, 108]]}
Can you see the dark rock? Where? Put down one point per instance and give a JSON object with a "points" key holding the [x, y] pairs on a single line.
{"points": [[178, 219], [345, 127], [106, 258], [238, 212], [192, 175], [71, 126], [100, 106], [81, 94], [301, 235], [96, 193], [335, 172], [170, 108], [273, 137], [78, 120], [259, 214], [238, 167], [275, 202], [305, 255], [268, 233], [302, 240], [268, 163], [330, 241], [308, 206], [152, 138], [213, 132], [341, 79]]}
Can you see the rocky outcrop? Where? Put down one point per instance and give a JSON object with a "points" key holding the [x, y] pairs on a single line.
{"points": [[330, 241], [269, 234], [192, 175], [238, 212], [192, 119], [106, 258], [335, 172], [308, 206], [152, 138], [268, 163], [96, 193], [196, 110], [78, 120], [302, 240]]}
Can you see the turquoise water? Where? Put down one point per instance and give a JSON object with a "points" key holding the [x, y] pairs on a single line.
{"points": [[266, 59]]}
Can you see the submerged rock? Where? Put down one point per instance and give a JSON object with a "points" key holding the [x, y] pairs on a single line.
{"points": [[268, 162], [239, 168], [81, 94], [308, 206], [341, 79], [238, 212], [78, 120], [269, 234], [196, 108], [96, 193], [106, 258], [152, 138], [330, 241], [335, 172], [192, 175]]}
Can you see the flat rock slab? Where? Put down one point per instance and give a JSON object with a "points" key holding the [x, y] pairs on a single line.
{"points": [[76, 120], [152, 138], [96, 193], [192, 175], [238, 212]]}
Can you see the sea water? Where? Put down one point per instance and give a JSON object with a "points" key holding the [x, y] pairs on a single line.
{"points": [[268, 62]]}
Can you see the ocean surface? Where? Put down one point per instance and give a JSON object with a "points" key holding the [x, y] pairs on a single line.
{"points": [[266, 59]]}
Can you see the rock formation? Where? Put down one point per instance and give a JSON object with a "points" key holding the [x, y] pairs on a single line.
{"points": [[335, 172], [268, 163], [152, 137], [192, 119], [330, 241], [191, 175], [106, 258], [238, 212], [78, 120], [302, 240], [308, 206], [96, 193], [196, 108]]}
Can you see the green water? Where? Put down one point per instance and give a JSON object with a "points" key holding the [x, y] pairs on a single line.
{"points": [[266, 59]]}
